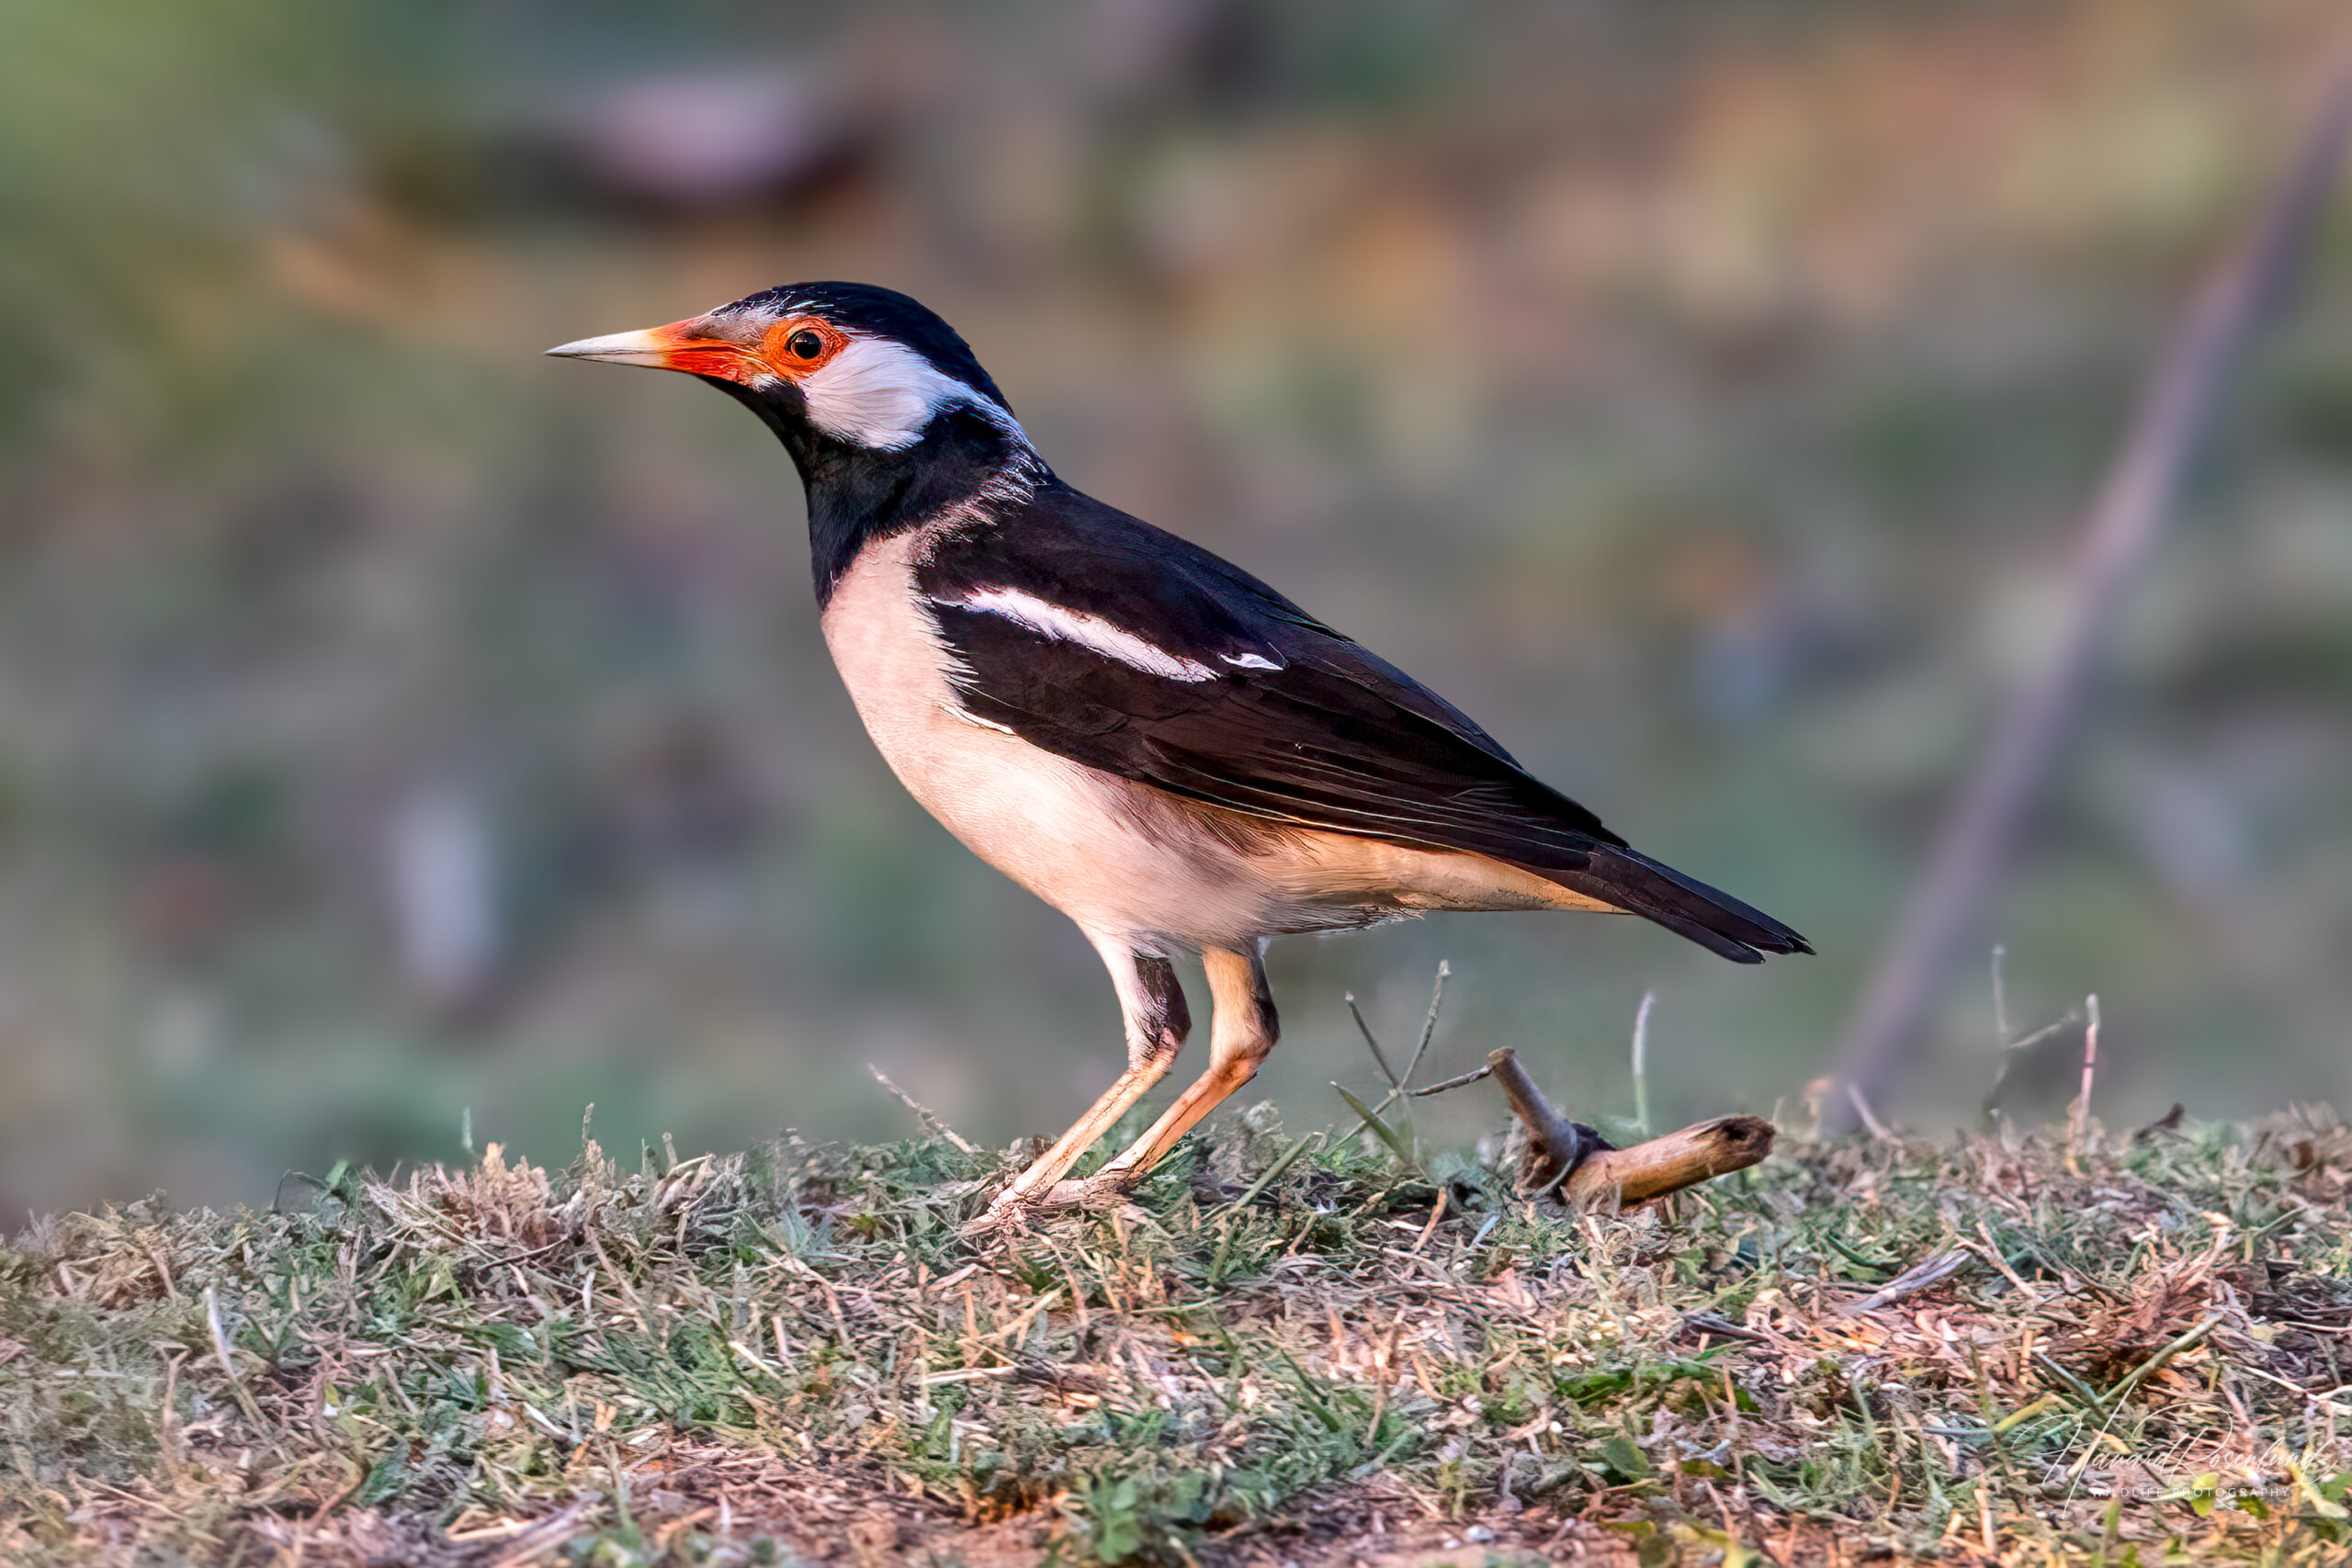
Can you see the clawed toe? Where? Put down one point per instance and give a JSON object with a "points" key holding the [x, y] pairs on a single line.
{"points": [[1104, 1191], [1003, 1213]]}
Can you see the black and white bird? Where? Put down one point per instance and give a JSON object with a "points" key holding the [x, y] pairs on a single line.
{"points": [[1140, 733]]}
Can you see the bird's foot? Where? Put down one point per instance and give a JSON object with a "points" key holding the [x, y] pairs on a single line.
{"points": [[1104, 1191], [1007, 1212], [1011, 1211]]}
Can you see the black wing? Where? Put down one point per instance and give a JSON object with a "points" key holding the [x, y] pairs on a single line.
{"points": [[1101, 639]]}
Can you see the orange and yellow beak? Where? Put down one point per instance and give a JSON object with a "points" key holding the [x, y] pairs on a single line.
{"points": [[691, 346]]}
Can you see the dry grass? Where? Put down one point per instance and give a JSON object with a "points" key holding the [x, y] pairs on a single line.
{"points": [[2128, 1351]]}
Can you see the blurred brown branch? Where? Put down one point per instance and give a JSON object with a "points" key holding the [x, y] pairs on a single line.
{"points": [[2140, 490]]}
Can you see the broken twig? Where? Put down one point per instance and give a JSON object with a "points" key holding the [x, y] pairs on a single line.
{"points": [[923, 1113], [1625, 1178], [1555, 1145], [2082, 1107], [1457, 1081], [1591, 1171], [1912, 1280]]}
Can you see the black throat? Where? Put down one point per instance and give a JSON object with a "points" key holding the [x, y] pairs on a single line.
{"points": [[857, 495]]}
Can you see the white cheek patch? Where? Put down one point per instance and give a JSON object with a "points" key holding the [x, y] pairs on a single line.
{"points": [[881, 394], [1093, 632]]}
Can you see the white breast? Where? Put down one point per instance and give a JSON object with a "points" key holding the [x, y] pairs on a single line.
{"points": [[1064, 831]]}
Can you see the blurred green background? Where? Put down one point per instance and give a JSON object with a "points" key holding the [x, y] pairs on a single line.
{"points": [[395, 724]]}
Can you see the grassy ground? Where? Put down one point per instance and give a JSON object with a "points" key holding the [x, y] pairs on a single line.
{"points": [[2139, 1352]]}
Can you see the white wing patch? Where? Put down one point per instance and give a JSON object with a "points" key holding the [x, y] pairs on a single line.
{"points": [[975, 720], [1251, 662], [881, 394], [1064, 625]]}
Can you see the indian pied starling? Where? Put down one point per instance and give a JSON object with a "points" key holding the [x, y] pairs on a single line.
{"points": [[1145, 736]]}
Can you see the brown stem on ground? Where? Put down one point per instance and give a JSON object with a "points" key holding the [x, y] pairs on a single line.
{"points": [[1555, 1145], [1912, 1280], [1699, 1153], [1591, 1172]]}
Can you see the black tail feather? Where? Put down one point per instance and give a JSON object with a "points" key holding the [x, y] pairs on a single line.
{"points": [[1683, 904]]}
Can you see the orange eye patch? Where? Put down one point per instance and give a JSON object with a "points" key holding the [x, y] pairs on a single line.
{"points": [[799, 344]]}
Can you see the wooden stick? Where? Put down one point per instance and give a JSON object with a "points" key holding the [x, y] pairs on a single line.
{"points": [[1912, 1280], [2090, 1070], [1555, 1145], [923, 1113], [1625, 1178], [1595, 1173]]}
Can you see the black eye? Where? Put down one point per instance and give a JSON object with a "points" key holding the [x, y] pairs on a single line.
{"points": [[804, 344]]}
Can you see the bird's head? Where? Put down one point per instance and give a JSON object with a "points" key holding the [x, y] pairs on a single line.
{"points": [[837, 369], [886, 414]]}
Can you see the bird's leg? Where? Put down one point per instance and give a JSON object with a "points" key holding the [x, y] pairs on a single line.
{"points": [[1156, 1021], [1241, 1033]]}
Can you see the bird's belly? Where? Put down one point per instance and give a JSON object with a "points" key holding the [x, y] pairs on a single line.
{"points": [[1066, 832], [1321, 869]]}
